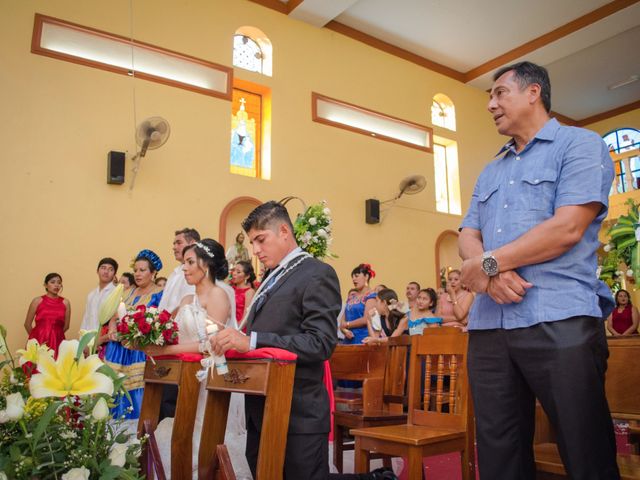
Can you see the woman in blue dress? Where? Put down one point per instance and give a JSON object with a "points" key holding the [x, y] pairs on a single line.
{"points": [[124, 360], [359, 303], [423, 316]]}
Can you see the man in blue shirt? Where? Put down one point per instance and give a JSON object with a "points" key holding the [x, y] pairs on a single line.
{"points": [[529, 244]]}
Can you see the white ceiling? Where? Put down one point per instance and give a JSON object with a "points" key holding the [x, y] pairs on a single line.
{"points": [[465, 34]]}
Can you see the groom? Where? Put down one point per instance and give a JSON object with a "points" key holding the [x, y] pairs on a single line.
{"points": [[297, 312]]}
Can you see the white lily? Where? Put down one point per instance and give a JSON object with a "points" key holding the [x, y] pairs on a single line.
{"points": [[64, 376], [100, 410]]}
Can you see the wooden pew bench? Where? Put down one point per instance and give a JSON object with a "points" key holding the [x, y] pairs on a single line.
{"points": [[622, 385]]}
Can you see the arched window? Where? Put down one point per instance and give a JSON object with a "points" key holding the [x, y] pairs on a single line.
{"points": [[252, 50], [620, 141], [443, 112]]}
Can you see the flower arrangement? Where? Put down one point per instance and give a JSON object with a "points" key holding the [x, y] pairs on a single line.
{"points": [[313, 230], [622, 253], [144, 326], [54, 416]]}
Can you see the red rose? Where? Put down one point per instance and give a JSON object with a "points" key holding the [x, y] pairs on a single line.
{"points": [[141, 308], [164, 317], [123, 327], [138, 316], [144, 327]]}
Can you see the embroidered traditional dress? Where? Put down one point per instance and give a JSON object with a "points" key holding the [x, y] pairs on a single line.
{"points": [[131, 363]]}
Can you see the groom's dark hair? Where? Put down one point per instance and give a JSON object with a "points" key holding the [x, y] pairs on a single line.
{"points": [[267, 215]]}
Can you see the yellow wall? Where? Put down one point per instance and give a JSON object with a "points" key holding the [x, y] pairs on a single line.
{"points": [[629, 119], [59, 120]]}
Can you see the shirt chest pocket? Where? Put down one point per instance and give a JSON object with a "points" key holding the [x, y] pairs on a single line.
{"points": [[487, 203], [539, 189]]}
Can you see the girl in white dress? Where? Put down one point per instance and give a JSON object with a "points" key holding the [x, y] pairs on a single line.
{"points": [[204, 262]]}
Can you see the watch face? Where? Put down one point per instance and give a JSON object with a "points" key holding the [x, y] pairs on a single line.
{"points": [[490, 266]]}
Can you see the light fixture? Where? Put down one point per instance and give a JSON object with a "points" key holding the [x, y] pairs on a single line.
{"points": [[622, 83]]}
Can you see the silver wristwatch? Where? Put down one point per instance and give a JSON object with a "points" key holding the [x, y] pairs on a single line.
{"points": [[489, 264]]}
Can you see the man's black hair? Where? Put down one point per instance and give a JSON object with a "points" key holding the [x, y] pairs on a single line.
{"points": [[263, 216], [527, 73]]}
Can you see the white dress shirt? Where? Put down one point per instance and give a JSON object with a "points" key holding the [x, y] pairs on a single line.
{"points": [[94, 300], [175, 290]]}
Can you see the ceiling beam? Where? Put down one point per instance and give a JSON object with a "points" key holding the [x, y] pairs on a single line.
{"points": [[550, 37], [393, 50], [563, 118], [609, 114], [318, 12]]}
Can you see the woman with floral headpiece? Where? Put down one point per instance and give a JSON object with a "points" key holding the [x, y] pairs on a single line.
{"points": [[131, 362], [359, 303]]}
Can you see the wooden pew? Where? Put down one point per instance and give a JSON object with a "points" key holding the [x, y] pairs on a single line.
{"points": [[393, 399], [272, 379], [622, 386], [182, 374]]}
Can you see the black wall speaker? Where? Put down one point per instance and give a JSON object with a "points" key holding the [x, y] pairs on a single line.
{"points": [[115, 168], [372, 210]]}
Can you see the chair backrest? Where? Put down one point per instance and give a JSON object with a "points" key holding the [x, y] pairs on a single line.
{"points": [[623, 377], [438, 358], [365, 363], [395, 375], [358, 362]]}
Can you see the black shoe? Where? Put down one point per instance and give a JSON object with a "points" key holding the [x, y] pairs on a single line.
{"points": [[383, 473]]}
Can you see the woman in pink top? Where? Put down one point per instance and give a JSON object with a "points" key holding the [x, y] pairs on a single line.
{"points": [[454, 304]]}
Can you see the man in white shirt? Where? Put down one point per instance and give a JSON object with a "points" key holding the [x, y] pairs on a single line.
{"points": [[107, 269], [177, 287]]}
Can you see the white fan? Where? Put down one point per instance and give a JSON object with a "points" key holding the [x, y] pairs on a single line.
{"points": [[152, 133], [410, 186]]}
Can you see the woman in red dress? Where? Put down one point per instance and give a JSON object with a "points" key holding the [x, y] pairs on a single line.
{"points": [[624, 318], [242, 278], [51, 313]]}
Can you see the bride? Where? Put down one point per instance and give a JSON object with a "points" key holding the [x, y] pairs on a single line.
{"points": [[204, 263]]}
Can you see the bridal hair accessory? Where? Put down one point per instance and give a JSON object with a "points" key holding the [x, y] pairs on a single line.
{"points": [[206, 249], [151, 256]]}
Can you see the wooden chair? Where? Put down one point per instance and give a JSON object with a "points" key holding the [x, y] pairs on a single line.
{"points": [[182, 374], [442, 352], [364, 363], [272, 379], [154, 462], [221, 467], [394, 400], [622, 387]]}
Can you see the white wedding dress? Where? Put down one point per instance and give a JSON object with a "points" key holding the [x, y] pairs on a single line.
{"points": [[191, 322]]}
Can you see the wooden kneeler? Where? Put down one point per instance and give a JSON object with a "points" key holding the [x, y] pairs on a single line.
{"points": [[269, 378], [182, 374]]}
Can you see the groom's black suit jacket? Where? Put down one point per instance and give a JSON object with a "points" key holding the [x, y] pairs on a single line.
{"points": [[299, 315]]}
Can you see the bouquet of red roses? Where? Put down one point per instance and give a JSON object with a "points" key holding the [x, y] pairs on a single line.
{"points": [[146, 326]]}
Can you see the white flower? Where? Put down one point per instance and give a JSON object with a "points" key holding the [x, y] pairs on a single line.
{"points": [[3, 476], [629, 273], [322, 233], [313, 221], [306, 236], [100, 410], [152, 310], [68, 434], [77, 474], [12, 379], [607, 247], [326, 211], [15, 408], [118, 455], [618, 272]]}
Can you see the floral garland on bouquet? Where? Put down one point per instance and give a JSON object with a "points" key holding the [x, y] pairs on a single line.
{"points": [[622, 253], [55, 415], [313, 230]]}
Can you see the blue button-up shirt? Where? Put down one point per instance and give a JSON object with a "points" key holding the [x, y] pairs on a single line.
{"points": [[560, 166]]}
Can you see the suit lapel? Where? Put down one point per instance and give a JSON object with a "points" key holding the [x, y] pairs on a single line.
{"points": [[256, 313]]}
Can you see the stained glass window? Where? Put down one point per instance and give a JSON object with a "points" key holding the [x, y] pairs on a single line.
{"points": [[246, 125], [622, 139], [247, 53], [443, 112]]}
